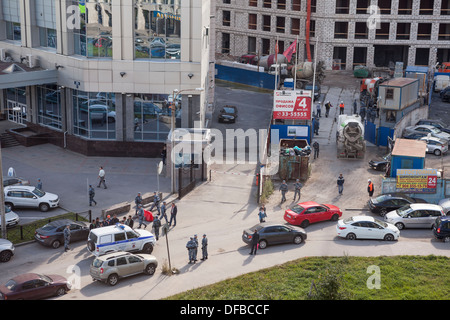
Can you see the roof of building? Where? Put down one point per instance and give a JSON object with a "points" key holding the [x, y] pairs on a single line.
{"points": [[409, 148], [398, 82]]}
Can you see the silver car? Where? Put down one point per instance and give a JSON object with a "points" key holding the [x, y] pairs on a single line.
{"points": [[426, 130], [435, 145], [111, 267], [415, 215], [6, 250]]}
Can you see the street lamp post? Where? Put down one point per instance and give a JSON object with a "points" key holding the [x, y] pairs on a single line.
{"points": [[175, 95], [2, 201]]}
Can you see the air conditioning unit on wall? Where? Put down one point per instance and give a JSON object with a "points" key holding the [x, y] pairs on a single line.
{"points": [[32, 61]]}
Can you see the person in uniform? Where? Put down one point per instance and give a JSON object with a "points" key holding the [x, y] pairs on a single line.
{"points": [[191, 246], [141, 217], [283, 189], [316, 149], [370, 188], [155, 202], [91, 196], [156, 225], [163, 212], [297, 186], [138, 201], [204, 248], [66, 237]]}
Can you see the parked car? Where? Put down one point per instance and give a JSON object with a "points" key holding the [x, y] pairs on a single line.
{"points": [[6, 250], [445, 204], [304, 213], [32, 286], [441, 229], [443, 92], [52, 234], [270, 234], [11, 218], [415, 135], [385, 203], [111, 267], [426, 129], [30, 197], [366, 227], [380, 164], [435, 145], [119, 237], [14, 181], [415, 215], [435, 123], [228, 114]]}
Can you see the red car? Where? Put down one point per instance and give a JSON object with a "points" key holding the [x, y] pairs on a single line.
{"points": [[304, 213], [32, 286]]}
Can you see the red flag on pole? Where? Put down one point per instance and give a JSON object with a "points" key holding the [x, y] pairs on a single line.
{"points": [[290, 51]]}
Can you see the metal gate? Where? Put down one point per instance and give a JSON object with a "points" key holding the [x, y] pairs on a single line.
{"points": [[383, 134], [370, 132]]}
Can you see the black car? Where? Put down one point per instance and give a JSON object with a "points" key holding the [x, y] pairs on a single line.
{"points": [[380, 164], [441, 228], [228, 114], [385, 203], [435, 123], [52, 234], [274, 234], [444, 92]]}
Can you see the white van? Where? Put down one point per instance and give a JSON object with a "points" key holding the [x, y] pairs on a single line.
{"points": [[119, 237]]}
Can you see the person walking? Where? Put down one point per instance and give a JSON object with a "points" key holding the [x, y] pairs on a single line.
{"points": [[297, 187], [66, 237], [255, 242], [91, 196], [370, 188], [190, 245], [283, 189], [340, 183], [156, 226], [141, 217], [355, 107], [341, 107], [327, 108], [163, 212], [316, 149], [39, 184], [262, 215], [319, 110], [101, 177], [316, 126], [204, 248], [173, 215], [138, 201], [155, 203]]}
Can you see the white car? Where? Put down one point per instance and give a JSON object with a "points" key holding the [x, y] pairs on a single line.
{"points": [[119, 238], [11, 218], [426, 130], [30, 197], [415, 215], [366, 227], [6, 250], [435, 145]]}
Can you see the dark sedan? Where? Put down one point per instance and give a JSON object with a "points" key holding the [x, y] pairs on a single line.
{"points": [[270, 233], [228, 114], [32, 286], [385, 203], [52, 234], [435, 123], [380, 164]]}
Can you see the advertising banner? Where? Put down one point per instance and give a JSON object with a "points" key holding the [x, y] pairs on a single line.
{"points": [[417, 180], [292, 105]]}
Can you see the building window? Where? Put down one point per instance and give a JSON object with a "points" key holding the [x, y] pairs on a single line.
{"points": [[225, 42], [46, 22], [445, 8], [149, 110], [281, 24], [252, 21], [281, 4], [385, 6], [405, 7], [424, 31], [94, 38], [13, 31], [340, 30], [296, 5], [267, 3], [266, 23], [361, 6], [422, 56], [389, 94], [49, 106], [226, 18], [157, 31], [265, 46], [94, 115], [403, 31], [342, 6], [295, 26], [312, 28], [253, 3], [361, 30], [444, 31], [47, 38], [11, 16], [426, 7], [383, 31], [226, 1], [251, 45]]}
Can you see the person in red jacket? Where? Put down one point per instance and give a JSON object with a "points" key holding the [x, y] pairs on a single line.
{"points": [[370, 188], [341, 107]]}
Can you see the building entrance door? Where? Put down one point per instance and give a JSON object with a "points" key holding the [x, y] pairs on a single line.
{"points": [[17, 112]]}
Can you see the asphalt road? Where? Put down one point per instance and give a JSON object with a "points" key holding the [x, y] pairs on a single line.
{"points": [[222, 208]]}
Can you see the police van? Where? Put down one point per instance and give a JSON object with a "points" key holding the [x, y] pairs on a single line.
{"points": [[119, 238]]}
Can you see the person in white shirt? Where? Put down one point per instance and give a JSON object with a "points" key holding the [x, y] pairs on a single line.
{"points": [[101, 176]]}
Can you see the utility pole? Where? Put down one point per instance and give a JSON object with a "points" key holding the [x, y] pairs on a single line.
{"points": [[2, 199]]}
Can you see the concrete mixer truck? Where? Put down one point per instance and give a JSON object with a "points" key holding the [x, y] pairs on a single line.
{"points": [[304, 73], [350, 137]]}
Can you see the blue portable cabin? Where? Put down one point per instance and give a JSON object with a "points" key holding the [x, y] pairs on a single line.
{"points": [[420, 73], [407, 154]]}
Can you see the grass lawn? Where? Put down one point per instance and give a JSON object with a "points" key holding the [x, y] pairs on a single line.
{"points": [[400, 278]]}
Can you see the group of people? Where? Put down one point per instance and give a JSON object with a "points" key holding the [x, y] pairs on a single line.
{"points": [[108, 221], [192, 247], [340, 185], [101, 181], [284, 189]]}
